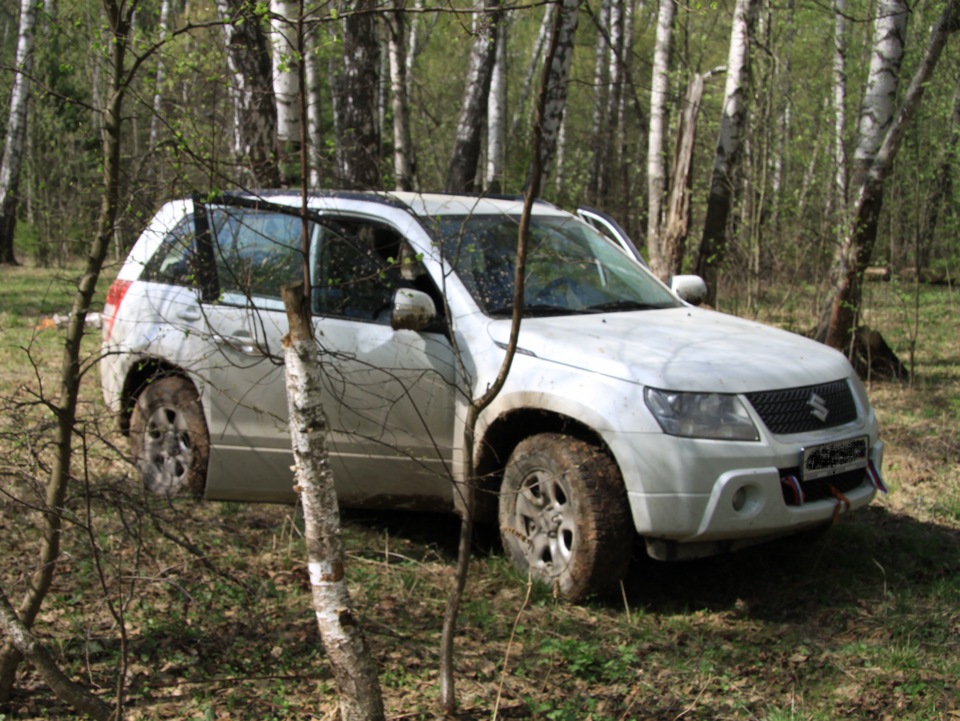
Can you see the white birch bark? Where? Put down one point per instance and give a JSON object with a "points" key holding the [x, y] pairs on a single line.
{"points": [[555, 102], [535, 52], [343, 640], [399, 98], [496, 110], [255, 111], [885, 125], [880, 96], [601, 91], [656, 139], [840, 101], [16, 130], [314, 107], [732, 125], [615, 75], [283, 45], [159, 77], [358, 146], [465, 158]]}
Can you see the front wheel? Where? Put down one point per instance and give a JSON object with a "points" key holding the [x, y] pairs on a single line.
{"points": [[169, 438], [564, 516]]}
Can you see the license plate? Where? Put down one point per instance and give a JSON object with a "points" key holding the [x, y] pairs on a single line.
{"points": [[833, 458]]}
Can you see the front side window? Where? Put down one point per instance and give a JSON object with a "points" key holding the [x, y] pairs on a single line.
{"points": [[354, 271], [571, 268]]}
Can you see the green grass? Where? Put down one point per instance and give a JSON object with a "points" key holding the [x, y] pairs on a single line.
{"points": [[861, 624]]}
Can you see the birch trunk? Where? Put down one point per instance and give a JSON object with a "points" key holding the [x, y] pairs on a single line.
{"points": [[159, 78], [465, 159], [713, 246], [882, 127], [656, 140], [255, 109], [556, 84], [840, 101], [16, 131], [496, 110], [358, 147], [312, 111], [286, 69], [343, 640], [399, 98], [601, 91], [519, 114]]}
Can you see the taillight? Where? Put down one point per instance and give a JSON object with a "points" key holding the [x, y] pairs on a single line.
{"points": [[118, 289]]}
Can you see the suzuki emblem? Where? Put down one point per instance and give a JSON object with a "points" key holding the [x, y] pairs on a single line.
{"points": [[819, 407]]}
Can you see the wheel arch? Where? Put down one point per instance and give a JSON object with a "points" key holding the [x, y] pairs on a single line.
{"points": [[502, 435], [141, 374]]}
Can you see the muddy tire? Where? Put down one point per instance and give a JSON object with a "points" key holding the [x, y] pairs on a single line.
{"points": [[169, 438], [564, 517]]}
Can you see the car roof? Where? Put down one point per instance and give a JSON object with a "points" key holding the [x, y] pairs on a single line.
{"points": [[420, 204]]}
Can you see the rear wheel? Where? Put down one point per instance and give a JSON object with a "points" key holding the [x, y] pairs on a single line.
{"points": [[564, 517], [169, 438]]}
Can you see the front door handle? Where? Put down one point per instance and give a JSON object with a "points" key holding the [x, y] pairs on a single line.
{"points": [[242, 342]]}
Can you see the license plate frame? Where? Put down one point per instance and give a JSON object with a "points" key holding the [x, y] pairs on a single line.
{"points": [[829, 459]]}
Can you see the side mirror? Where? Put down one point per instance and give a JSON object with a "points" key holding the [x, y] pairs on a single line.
{"points": [[690, 288], [412, 310]]}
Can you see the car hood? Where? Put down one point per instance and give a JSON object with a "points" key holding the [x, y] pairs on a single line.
{"points": [[684, 349]]}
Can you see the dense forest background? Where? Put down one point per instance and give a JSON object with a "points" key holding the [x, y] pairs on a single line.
{"points": [[180, 120]]}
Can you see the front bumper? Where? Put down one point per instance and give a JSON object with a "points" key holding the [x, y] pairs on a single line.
{"points": [[744, 506]]}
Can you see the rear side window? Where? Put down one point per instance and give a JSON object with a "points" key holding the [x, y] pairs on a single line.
{"points": [[173, 263]]}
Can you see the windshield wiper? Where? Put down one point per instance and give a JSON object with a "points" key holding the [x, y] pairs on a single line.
{"points": [[619, 305]]}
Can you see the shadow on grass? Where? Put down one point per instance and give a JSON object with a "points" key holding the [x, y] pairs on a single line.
{"points": [[864, 559]]}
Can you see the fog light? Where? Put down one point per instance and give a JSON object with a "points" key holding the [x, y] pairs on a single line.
{"points": [[740, 498]]}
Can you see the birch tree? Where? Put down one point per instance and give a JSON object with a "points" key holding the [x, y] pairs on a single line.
{"points": [[358, 137], [13, 147], [496, 109], [881, 131], [159, 78], [733, 119], [536, 50], [255, 109], [601, 92], [343, 640], [840, 101], [465, 158], [556, 79], [285, 65], [400, 98], [656, 140]]}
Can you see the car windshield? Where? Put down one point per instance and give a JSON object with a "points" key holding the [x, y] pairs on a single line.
{"points": [[570, 267]]}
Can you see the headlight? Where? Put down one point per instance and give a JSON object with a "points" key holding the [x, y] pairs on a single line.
{"points": [[701, 415]]}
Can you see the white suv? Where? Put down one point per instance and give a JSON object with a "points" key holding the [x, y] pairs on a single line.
{"points": [[627, 410]]}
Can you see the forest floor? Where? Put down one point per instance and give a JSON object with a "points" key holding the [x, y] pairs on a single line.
{"points": [[209, 602]]}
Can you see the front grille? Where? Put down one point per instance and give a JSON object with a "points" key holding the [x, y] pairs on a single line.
{"points": [[794, 410], [820, 488]]}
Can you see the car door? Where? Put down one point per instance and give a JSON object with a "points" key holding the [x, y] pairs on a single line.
{"points": [[388, 395]]}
